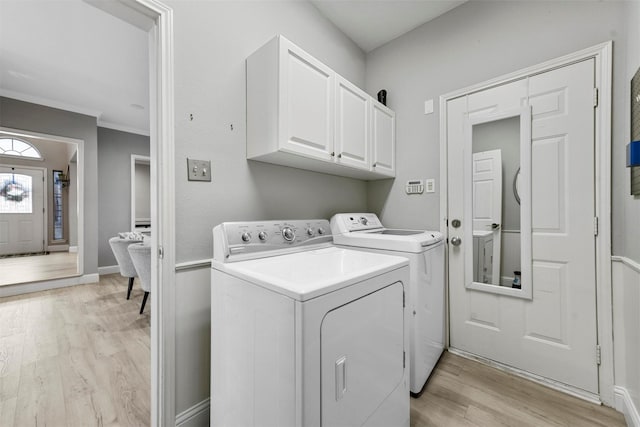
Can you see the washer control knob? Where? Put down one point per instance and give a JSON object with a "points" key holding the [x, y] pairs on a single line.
{"points": [[310, 231], [246, 237], [262, 235], [288, 234], [321, 231], [363, 220]]}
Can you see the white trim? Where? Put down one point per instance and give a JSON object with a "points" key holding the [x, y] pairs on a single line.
{"points": [[26, 288], [624, 404], [627, 261], [109, 269], [49, 103], [59, 248], [73, 249], [199, 409], [162, 153], [561, 387], [602, 55], [121, 128]]}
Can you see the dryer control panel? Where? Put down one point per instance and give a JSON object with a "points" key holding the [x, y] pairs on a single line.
{"points": [[348, 222], [255, 239]]}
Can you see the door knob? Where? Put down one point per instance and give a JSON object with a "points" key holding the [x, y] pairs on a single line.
{"points": [[455, 241]]}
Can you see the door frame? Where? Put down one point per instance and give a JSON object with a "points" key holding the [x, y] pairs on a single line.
{"points": [[45, 182], [602, 54], [156, 19]]}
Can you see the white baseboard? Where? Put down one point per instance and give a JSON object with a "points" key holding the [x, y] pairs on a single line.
{"points": [[109, 269], [73, 249], [58, 248], [26, 288], [625, 405], [197, 415]]}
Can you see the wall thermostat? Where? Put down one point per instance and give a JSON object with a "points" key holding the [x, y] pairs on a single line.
{"points": [[415, 186]]}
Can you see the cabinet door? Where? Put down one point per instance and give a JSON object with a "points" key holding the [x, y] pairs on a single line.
{"points": [[384, 140], [352, 125], [306, 104]]}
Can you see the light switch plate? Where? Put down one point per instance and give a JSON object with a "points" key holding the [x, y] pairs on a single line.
{"points": [[199, 170], [428, 106], [430, 185]]}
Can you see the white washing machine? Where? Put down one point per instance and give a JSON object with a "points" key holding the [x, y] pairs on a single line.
{"points": [[304, 333], [425, 251]]}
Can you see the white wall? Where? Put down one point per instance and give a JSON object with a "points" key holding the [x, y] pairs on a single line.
{"points": [[626, 332], [212, 41], [470, 44]]}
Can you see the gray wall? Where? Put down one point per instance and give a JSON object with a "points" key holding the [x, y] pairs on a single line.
{"points": [[114, 186], [470, 44], [37, 118], [212, 41]]}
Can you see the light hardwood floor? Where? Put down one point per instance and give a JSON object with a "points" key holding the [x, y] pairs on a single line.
{"points": [[76, 356], [38, 267], [463, 392], [79, 356]]}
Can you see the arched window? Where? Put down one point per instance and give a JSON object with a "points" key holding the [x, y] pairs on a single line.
{"points": [[18, 148]]}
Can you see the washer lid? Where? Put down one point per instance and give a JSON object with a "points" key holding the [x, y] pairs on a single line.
{"points": [[308, 274], [387, 239]]}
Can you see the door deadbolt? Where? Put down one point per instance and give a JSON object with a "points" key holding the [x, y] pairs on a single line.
{"points": [[455, 223]]}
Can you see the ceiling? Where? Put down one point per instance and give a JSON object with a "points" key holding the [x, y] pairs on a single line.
{"points": [[68, 54], [372, 23]]}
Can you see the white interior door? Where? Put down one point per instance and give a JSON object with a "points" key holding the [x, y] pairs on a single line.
{"points": [[21, 210], [487, 206], [554, 333]]}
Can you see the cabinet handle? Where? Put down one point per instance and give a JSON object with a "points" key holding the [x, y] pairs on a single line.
{"points": [[340, 155]]}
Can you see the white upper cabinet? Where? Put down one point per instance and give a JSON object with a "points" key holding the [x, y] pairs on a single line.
{"points": [[306, 103], [384, 140], [353, 128], [301, 113]]}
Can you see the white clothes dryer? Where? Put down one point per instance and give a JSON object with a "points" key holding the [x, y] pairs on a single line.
{"points": [[425, 251], [304, 333]]}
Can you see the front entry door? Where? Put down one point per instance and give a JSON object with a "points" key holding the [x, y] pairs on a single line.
{"points": [[554, 333], [21, 210]]}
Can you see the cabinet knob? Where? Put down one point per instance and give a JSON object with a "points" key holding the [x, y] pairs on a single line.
{"points": [[333, 154], [375, 164], [340, 155]]}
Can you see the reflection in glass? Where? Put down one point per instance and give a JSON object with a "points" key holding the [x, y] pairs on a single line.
{"points": [[496, 211]]}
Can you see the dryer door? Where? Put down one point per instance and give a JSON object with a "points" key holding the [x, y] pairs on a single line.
{"points": [[362, 356]]}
